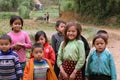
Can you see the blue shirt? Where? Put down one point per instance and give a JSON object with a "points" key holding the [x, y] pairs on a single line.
{"points": [[101, 63]]}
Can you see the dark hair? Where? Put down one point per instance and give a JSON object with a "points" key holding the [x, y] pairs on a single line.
{"points": [[59, 22], [99, 36], [66, 39], [6, 37], [13, 18], [80, 27], [38, 34], [37, 45], [102, 31]]}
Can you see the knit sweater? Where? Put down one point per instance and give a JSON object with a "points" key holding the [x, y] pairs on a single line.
{"points": [[10, 68], [21, 37]]}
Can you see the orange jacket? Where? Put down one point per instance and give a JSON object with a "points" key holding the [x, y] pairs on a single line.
{"points": [[28, 72]]}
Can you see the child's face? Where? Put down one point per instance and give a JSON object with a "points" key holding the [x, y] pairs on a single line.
{"points": [[100, 45], [61, 28], [41, 40], [72, 33], [16, 26], [5, 45], [38, 53]]}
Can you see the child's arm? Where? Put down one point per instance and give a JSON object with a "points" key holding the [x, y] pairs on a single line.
{"points": [[20, 78], [18, 67], [73, 75], [86, 78], [52, 56], [63, 73], [27, 44], [53, 41], [113, 68]]}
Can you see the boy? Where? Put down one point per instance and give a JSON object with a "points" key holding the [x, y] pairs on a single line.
{"points": [[10, 68], [38, 68], [57, 38], [103, 33]]}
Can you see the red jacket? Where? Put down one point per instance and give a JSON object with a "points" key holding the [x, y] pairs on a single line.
{"points": [[48, 53]]}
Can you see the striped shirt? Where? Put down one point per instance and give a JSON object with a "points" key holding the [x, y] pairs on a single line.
{"points": [[40, 70], [10, 68]]}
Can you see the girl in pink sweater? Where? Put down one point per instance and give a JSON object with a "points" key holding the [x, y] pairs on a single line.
{"points": [[20, 39]]}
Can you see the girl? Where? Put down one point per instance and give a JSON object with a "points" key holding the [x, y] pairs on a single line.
{"points": [[40, 37], [39, 68], [100, 65], [71, 54], [20, 39]]}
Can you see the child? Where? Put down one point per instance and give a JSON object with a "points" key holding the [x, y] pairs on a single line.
{"points": [[100, 65], [87, 49], [71, 54], [10, 68], [57, 38], [102, 32], [20, 39], [39, 68], [40, 37], [47, 16]]}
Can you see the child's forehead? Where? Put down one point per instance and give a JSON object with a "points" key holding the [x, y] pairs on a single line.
{"points": [[4, 40], [38, 49]]}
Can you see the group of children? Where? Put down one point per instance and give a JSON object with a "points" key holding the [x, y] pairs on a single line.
{"points": [[64, 59]]}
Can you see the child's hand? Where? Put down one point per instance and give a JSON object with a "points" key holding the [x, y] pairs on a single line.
{"points": [[86, 78], [20, 79], [72, 76], [20, 44], [17, 47], [64, 74]]}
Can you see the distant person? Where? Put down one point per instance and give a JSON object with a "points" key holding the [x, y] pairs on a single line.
{"points": [[20, 39], [10, 68], [39, 68], [57, 38], [41, 37], [47, 17], [87, 49], [100, 65], [71, 54]]}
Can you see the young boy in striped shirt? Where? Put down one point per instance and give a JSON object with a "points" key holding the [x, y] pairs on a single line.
{"points": [[10, 68]]}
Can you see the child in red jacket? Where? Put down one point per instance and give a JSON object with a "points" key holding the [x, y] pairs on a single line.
{"points": [[40, 37]]}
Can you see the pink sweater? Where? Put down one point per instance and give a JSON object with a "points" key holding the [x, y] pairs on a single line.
{"points": [[21, 37]]}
